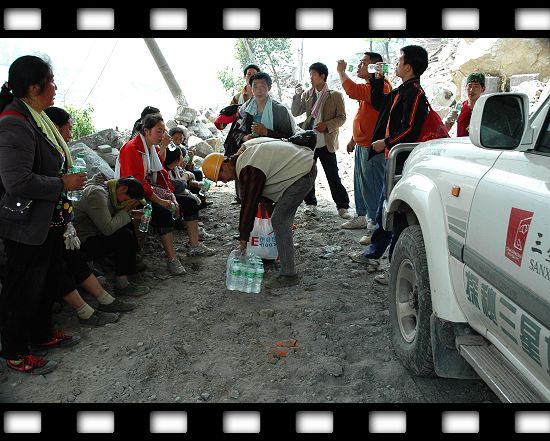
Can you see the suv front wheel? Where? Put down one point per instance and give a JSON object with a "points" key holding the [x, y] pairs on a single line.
{"points": [[410, 303]]}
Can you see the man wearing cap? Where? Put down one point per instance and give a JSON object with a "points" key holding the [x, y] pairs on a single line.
{"points": [[475, 86], [277, 171]]}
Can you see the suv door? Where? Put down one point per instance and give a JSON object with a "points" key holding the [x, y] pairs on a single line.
{"points": [[507, 259]]}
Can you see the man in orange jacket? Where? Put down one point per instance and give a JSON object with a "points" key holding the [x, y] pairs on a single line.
{"points": [[367, 175]]}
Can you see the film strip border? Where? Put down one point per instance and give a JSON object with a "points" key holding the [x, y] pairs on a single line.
{"points": [[204, 421], [275, 20]]}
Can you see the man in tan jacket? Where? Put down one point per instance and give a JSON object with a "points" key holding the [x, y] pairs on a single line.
{"points": [[325, 113]]}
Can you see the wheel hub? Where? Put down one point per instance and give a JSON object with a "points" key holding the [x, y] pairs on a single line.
{"points": [[406, 299]]}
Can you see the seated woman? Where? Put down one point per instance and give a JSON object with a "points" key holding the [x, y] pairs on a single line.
{"points": [[139, 158], [79, 273]]}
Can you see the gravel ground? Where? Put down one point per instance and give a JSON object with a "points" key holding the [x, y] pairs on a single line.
{"points": [[191, 340]]}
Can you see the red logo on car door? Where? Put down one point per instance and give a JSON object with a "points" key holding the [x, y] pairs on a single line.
{"points": [[518, 229]]}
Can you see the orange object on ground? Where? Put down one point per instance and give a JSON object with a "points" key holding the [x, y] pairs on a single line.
{"points": [[278, 353], [290, 343]]}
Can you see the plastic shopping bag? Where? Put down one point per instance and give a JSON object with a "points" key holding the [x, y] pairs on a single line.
{"points": [[262, 240]]}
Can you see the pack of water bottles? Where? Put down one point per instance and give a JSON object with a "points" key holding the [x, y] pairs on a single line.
{"points": [[244, 272]]}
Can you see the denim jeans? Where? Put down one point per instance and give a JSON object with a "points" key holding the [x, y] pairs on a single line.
{"points": [[368, 178]]}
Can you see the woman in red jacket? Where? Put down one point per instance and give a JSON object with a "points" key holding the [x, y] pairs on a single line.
{"points": [[139, 158]]}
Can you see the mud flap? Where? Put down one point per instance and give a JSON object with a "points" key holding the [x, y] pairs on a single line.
{"points": [[448, 363]]}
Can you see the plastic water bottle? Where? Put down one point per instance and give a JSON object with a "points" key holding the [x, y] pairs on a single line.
{"points": [[350, 68], [146, 218], [230, 273], [79, 166], [205, 186], [259, 275], [372, 68], [458, 107], [249, 275], [173, 210]]}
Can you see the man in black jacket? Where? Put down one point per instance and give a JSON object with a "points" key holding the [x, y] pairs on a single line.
{"points": [[402, 113]]}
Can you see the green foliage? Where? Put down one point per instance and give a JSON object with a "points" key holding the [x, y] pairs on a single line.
{"points": [[230, 80], [83, 124], [272, 55]]}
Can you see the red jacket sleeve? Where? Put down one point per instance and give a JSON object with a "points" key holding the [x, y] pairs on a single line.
{"points": [[131, 164]]}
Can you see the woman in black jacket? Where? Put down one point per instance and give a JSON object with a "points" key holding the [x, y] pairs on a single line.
{"points": [[34, 161]]}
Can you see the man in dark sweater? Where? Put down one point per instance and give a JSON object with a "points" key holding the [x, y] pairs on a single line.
{"points": [[402, 113]]}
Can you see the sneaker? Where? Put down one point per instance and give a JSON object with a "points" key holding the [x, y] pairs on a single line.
{"points": [[343, 213], [99, 318], [356, 223], [59, 340], [203, 235], [281, 281], [132, 290], [311, 210], [175, 267], [365, 240], [360, 258], [30, 364], [117, 306], [200, 250], [383, 279]]}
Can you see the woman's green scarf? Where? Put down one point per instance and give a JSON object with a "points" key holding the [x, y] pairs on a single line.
{"points": [[52, 133]]}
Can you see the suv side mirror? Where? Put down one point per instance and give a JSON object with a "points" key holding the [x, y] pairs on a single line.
{"points": [[499, 120]]}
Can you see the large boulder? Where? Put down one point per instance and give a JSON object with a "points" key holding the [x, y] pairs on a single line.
{"points": [[94, 162], [185, 115], [107, 136], [200, 147], [501, 57], [201, 130], [215, 143]]}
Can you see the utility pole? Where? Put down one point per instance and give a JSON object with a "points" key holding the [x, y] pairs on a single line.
{"points": [[166, 72]]}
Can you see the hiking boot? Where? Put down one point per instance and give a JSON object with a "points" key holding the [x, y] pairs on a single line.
{"points": [[356, 223], [383, 279], [281, 281], [30, 364], [360, 258], [99, 318], [117, 306], [59, 340], [311, 210], [343, 213], [365, 240], [132, 290], [175, 267], [200, 250]]}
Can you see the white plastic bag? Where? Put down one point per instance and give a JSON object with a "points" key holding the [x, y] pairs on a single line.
{"points": [[262, 240]]}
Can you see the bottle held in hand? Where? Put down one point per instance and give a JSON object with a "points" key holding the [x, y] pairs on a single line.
{"points": [[79, 166], [373, 68], [146, 218]]}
